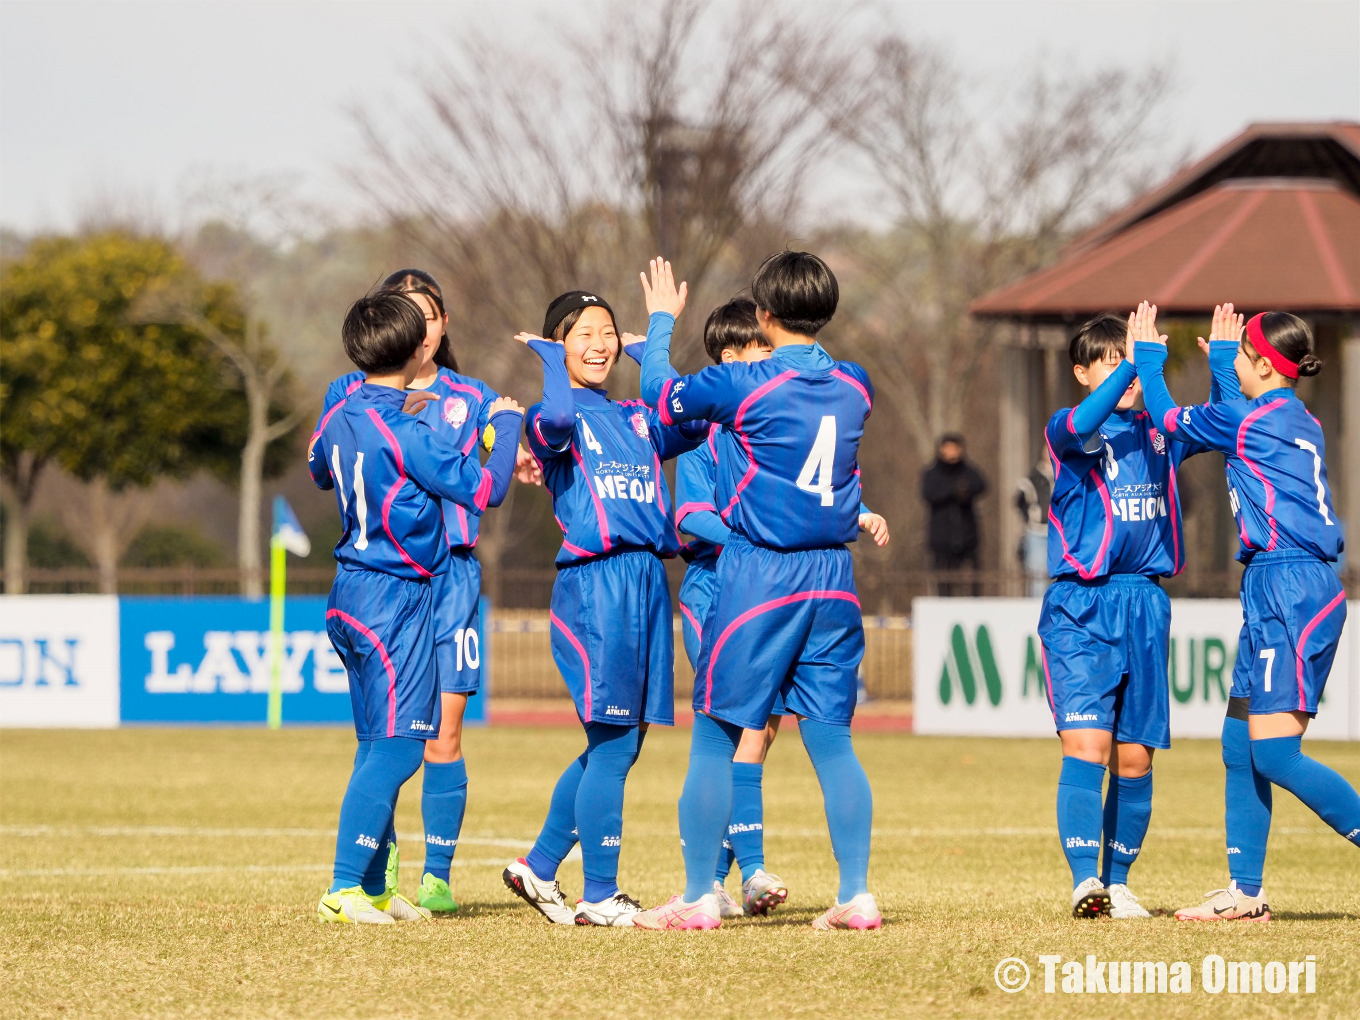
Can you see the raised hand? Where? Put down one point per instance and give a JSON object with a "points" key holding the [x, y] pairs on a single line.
{"points": [[1145, 325], [660, 292], [524, 338], [417, 399], [504, 404]]}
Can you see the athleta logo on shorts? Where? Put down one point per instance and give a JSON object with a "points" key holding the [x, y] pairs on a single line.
{"points": [[367, 841], [1081, 717], [424, 727], [616, 710], [612, 841], [455, 410]]}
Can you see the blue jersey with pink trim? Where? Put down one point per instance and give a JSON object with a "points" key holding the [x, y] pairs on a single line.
{"points": [[789, 476], [1276, 466], [458, 416], [607, 487], [390, 472], [1115, 508]]}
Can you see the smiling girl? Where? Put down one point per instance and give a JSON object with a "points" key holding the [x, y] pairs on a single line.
{"points": [[611, 617]]}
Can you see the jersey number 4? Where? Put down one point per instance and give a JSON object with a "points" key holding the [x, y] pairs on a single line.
{"points": [[360, 502], [820, 462]]}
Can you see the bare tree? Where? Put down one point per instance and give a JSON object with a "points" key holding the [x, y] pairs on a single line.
{"points": [[264, 378], [519, 183], [983, 192]]}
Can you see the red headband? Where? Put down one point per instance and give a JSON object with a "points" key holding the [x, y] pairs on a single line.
{"points": [[1288, 369]]}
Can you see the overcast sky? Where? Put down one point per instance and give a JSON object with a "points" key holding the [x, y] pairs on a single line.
{"points": [[143, 100]]}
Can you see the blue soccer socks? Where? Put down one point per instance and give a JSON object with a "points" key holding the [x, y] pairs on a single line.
{"points": [[366, 812], [443, 800], [1079, 816], [1247, 803], [746, 830], [706, 802], [599, 806], [848, 799], [558, 834], [1128, 809], [1282, 761]]}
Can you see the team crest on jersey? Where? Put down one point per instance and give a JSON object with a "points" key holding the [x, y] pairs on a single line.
{"points": [[455, 410], [1158, 442], [640, 425]]}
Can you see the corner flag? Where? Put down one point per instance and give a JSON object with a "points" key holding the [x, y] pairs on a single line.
{"points": [[286, 537]]}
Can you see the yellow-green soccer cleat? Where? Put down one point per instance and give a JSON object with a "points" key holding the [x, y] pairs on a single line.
{"points": [[350, 906], [398, 907], [434, 895], [393, 873]]}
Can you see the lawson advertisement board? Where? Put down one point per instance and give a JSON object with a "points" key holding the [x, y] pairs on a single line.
{"points": [[978, 669], [100, 661]]}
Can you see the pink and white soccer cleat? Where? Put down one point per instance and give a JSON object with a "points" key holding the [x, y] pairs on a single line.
{"points": [[677, 915], [860, 914]]}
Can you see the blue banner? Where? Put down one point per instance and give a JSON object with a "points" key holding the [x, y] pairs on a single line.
{"points": [[207, 660]]}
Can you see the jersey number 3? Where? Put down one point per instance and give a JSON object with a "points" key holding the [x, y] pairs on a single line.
{"points": [[820, 462]]}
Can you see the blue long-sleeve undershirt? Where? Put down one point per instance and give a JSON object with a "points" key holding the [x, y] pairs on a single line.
{"points": [[656, 358], [707, 525], [1150, 359], [501, 463], [1100, 403], [1223, 381], [557, 415]]}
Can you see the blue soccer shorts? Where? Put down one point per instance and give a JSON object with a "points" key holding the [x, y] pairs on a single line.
{"points": [[613, 638], [1105, 646], [382, 627], [457, 624], [1293, 609], [784, 623], [697, 593]]}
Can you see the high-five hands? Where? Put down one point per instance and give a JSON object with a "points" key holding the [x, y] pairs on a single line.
{"points": [[660, 291], [1144, 325], [1226, 326]]}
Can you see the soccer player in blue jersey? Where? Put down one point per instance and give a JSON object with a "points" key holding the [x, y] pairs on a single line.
{"points": [[731, 334], [457, 407], [1293, 606], [612, 635], [786, 620], [390, 473], [1114, 529]]}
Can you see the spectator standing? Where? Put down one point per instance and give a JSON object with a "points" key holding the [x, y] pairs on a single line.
{"points": [[950, 486], [1031, 499]]}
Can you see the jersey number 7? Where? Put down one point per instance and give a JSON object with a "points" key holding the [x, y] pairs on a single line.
{"points": [[820, 462]]}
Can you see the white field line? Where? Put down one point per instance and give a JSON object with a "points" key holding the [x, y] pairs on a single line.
{"points": [[213, 869], [169, 831]]}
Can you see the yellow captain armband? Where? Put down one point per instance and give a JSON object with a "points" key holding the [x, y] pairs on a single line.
{"points": [[489, 437]]}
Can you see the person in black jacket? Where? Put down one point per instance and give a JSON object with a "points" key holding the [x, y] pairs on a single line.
{"points": [[950, 486]]}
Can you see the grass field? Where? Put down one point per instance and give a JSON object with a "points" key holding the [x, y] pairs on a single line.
{"points": [[175, 873]]}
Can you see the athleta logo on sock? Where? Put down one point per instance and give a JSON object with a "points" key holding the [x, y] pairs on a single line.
{"points": [[737, 827], [1076, 841], [1120, 848], [367, 841], [612, 841], [434, 840]]}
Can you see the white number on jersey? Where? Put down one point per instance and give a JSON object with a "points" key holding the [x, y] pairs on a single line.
{"points": [[1111, 465], [1304, 444], [592, 443], [466, 641], [360, 502], [1269, 655], [820, 461]]}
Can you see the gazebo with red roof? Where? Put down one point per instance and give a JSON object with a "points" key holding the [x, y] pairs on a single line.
{"points": [[1271, 220]]}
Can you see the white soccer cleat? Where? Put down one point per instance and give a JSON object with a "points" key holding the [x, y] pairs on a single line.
{"points": [[762, 892], [545, 897], [1230, 904], [727, 906], [860, 914], [399, 908], [1123, 904], [1090, 899], [350, 906], [675, 914], [616, 912]]}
